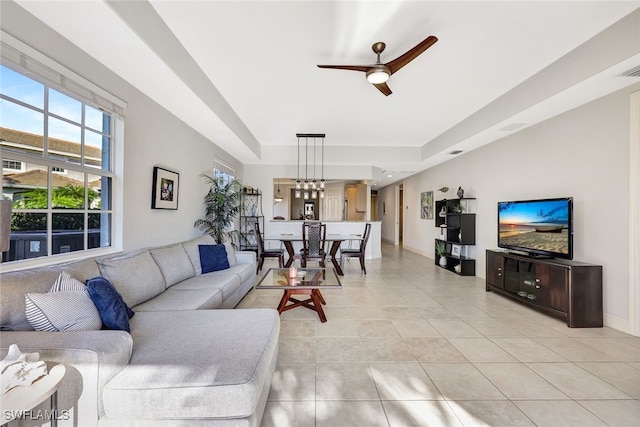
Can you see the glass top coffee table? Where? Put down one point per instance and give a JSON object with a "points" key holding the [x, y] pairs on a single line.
{"points": [[306, 281]]}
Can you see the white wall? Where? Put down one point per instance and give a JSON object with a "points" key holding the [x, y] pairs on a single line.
{"points": [[153, 137], [582, 153]]}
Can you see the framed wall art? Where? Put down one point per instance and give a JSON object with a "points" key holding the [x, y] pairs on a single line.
{"points": [[426, 205], [164, 194], [456, 250]]}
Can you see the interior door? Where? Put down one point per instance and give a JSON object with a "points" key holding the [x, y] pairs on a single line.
{"points": [[333, 202]]}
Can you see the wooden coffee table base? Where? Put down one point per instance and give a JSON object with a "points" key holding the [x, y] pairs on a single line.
{"points": [[314, 302]]}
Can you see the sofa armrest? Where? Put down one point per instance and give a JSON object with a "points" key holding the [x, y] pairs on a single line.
{"points": [[92, 358], [246, 257]]}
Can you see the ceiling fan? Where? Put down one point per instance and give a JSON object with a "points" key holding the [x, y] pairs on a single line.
{"points": [[379, 73]]}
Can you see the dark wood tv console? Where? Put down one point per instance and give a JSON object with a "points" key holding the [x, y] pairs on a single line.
{"points": [[565, 289]]}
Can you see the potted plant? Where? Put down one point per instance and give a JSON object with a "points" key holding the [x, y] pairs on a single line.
{"points": [[441, 250], [222, 205]]}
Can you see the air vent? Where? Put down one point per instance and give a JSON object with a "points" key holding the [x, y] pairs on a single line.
{"points": [[454, 152], [634, 72]]}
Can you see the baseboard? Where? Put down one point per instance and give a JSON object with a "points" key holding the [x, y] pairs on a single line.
{"points": [[615, 322]]}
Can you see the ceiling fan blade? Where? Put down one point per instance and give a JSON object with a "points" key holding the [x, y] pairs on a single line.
{"points": [[382, 87], [362, 68], [411, 54]]}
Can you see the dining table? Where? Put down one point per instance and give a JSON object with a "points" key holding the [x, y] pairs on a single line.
{"points": [[335, 240]]}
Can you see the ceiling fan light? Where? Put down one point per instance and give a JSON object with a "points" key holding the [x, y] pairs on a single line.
{"points": [[377, 75]]}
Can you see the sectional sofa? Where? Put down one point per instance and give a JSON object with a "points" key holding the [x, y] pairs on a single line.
{"points": [[189, 359]]}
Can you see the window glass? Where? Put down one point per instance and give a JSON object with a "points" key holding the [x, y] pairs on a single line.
{"points": [[96, 119], [99, 192], [99, 226], [21, 88], [21, 128], [93, 152], [65, 106]]}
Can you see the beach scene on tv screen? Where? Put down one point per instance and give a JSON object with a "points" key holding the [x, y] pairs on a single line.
{"points": [[537, 225]]}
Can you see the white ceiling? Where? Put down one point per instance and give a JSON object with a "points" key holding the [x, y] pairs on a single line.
{"points": [[244, 73]]}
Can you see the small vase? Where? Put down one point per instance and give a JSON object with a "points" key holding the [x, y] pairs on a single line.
{"points": [[443, 261], [460, 193]]}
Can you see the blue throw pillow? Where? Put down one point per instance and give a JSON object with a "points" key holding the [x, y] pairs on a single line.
{"points": [[113, 311], [213, 258]]}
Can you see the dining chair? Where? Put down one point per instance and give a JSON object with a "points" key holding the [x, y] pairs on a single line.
{"points": [[314, 237], [266, 253], [352, 253]]}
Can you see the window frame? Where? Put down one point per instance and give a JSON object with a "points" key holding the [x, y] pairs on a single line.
{"points": [[114, 170]]}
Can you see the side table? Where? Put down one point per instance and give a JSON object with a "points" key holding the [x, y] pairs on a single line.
{"points": [[20, 399]]}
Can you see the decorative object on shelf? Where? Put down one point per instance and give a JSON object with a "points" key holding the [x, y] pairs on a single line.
{"points": [[311, 189], [460, 236], [455, 250], [164, 193], [460, 193], [443, 211], [441, 250], [457, 209], [426, 205], [20, 369], [443, 189], [457, 268], [222, 205]]}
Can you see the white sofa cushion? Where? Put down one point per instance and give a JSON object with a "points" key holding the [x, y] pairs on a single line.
{"points": [[223, 280], [230, 356], [174, 299], [174, 263], [135, 276]]}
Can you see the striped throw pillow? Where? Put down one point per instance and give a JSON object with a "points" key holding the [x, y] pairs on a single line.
{"points": [[66, 307], [65, 282]]}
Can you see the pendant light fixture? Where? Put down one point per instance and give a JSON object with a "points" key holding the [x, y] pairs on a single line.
{"points": [[278, 197], [310, 189]]}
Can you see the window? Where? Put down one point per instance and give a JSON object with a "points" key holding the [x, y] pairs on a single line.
{"points": [[11, 165], [57, 167], [223, 172]]}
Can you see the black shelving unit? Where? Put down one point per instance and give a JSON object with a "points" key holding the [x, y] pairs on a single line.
{"points": [[250, 213], [456, 220]]}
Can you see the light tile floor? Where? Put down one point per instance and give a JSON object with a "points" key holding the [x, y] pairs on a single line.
{"points": [[410, 344]]}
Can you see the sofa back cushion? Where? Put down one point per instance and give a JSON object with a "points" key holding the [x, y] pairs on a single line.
{"points": [[174, 263], [15, 284], [135, 276]]}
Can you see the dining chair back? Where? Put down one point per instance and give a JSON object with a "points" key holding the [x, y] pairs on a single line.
{"points": [[359, 253], [266, 253], [314, 236]]}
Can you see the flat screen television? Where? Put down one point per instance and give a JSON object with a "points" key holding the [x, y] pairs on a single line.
{"points": [[540, 228]]}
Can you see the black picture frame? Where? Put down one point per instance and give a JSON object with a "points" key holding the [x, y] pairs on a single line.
{"points": [[164, 193]]}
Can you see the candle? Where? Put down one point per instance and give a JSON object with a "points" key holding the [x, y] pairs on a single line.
{"points": [[293, 272]]}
